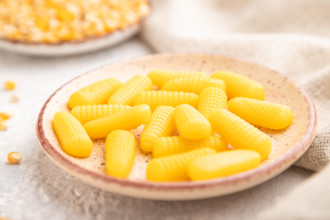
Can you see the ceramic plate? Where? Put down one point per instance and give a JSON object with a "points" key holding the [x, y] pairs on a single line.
{"points": [[71, 48], [288, 145]]}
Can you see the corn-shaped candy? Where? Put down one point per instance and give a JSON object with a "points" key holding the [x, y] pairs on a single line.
{"points": [[211, 99], [165, 146], [222, 164], [190, 123], [239, 133], [174, 168], [160, 77], [96, 93], [193, 84], [240, 86], [86, 113], [126, 94], [120, 147], [71, 134], [161, 124], [157, 98], [261, 113], [126, 120]]}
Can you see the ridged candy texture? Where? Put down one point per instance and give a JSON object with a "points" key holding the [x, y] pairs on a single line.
{"points": [[86, 113], [160, 77], [165, 146], [161, 124], [211, 99], [240, 86], [239, 133], [125, 120], [169, 98], [193, 84], [71, 135], [120, 147], [190, 123], [96, 93], [223, 164], [174, 168], [126, 94], [261, 113]]}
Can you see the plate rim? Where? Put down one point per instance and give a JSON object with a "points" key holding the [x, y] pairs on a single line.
{"points": [[287, 159]]}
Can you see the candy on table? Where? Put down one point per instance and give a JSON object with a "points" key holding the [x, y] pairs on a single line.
{"points": [[96, 93], [126, 94], [126, 120], [165, 146], [161, 124], [210, 99], [86, 113], [170, 98], [193, 84], [160, 77], [190, 123], [240, 86], [120, 147], [174, 168], [71, 134], [5, 116], [239, 133], [223, 164], [261, 113]]}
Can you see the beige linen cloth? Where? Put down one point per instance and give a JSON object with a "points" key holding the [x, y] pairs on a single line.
{"points": [[291, 36]]}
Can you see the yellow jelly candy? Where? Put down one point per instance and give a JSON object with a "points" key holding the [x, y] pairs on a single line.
{"points": [[211, 99], [239, 133], [71, 134], [174, 168], [160, 77], [165, 146], [96, 93], [222, 164], [120, 147], [161, 124], [126, 120], [158, 98], [86, 113], [261, 113], [193, 84], [240, 86], [126, 94], [190, 123]]}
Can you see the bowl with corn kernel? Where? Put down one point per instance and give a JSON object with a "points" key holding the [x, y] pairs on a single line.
{"points": [[177, 126], [66, 27]]}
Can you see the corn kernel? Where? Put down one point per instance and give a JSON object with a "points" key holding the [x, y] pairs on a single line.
{"points": [[126, 120], [190, 123], [96, 93], [165, 146], [120, 147], [161, 124], [223, 164], [160, 77], [174, 168], [169, 98], [14, 158], [240, 86], [10, 85], [193, 84], [239, 133], [126, 94], [261, 113], [71, 135], [211, 99], [86, 113]]}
